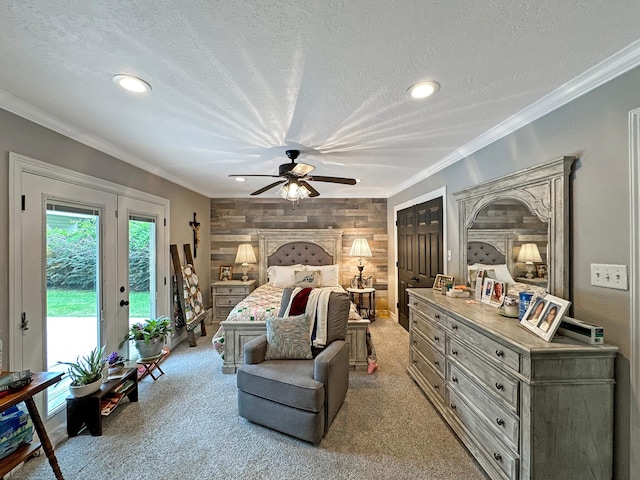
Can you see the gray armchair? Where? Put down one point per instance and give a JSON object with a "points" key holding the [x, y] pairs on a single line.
{"points": [[298, 397]]}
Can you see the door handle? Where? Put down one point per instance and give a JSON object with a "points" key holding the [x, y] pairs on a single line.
{"points": [[415, 279], [124, 302]]}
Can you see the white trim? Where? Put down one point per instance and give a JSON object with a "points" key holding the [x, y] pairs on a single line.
{"points": [[439, 192], [634, 290], [603, 72]]}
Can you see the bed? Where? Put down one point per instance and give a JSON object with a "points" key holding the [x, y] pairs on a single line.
{"points": [[286, 248]]}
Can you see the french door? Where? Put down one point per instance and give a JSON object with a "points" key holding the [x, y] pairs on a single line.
{"points": [[81, 253]]}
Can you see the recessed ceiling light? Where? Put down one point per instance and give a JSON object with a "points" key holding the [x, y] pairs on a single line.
{"points": [[131, 83], [423, 89], [240, 179]]}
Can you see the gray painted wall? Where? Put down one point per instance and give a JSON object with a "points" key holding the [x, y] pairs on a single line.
{"points": [[27, 138], [595, 129]]}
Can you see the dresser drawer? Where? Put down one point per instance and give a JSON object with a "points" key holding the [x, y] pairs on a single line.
{"points": [[492, 348], [498, 383], [429, 375], [497, 418], [231, 289], [497, 454], [228, 300], [433, 313], [429, 352], [435, 334]]}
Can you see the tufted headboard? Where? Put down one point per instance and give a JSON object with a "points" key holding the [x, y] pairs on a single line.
{"points": [[305, 245], [482, 252]]}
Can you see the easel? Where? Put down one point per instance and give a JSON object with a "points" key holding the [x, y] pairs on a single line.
{"points": [[183, 306]]}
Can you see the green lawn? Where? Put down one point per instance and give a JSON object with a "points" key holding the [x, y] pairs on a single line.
{"points": [[82, 303]]}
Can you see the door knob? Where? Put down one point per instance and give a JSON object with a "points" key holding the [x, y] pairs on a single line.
{"points": [[124, 302], [415, 279]]}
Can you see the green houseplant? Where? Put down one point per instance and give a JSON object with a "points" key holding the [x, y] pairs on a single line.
{"points": [[86, 373], [149, 336]]}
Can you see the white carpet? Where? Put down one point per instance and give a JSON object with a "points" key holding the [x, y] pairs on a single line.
{"points": [[186, 426]]}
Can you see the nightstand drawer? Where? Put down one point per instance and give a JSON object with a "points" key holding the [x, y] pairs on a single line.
{"points": [[231, 289], [228, 300], [223, 312]]}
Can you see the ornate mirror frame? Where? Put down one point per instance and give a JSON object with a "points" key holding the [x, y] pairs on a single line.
{"points": [[544, 189]]}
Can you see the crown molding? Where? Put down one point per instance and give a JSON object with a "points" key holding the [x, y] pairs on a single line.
{"points": [[603, 72]]}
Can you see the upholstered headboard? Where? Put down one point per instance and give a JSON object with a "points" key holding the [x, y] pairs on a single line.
{"points": [[306, 246], [485, 253]]}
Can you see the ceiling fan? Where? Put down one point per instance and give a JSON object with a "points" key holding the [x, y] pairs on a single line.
{"points": [[295, 177]]}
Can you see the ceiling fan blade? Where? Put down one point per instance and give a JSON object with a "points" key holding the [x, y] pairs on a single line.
{"points": [[302, 169], [264, 189], [346, 181], [314, 192], [272, 176]]}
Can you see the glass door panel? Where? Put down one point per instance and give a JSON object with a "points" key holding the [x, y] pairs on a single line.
{"points": [[142, 269]]}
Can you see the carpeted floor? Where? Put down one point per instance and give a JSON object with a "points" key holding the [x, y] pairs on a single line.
{"points": [[186, 426]]}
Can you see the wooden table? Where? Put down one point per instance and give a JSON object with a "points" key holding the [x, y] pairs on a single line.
{"points": [[41, 381]]}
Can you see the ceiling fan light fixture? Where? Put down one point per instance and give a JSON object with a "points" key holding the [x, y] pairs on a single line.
{"points": [[293, 192], [131, 83], [423, 89]]}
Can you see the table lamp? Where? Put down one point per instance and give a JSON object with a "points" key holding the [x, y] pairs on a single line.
{"points": [[529, 254], [360, 248], [245, 256]]}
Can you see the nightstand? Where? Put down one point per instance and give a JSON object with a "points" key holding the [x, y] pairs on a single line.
{"points": [[226, 294], [370, 308]]}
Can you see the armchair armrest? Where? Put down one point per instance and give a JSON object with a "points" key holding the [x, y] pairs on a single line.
{"points": [[331, 367], [255, 350]]}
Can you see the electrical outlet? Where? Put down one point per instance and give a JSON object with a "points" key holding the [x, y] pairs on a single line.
{"points": [[609, 276], [449, 255]]}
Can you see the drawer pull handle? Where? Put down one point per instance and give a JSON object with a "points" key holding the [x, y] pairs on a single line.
{"points": [[415, 304], [454, 326], [415, 341], [500, 421], [437, 339], [498, 457], [415, 322], [436, 387], [437, 315], [436, 362], [500, 353], [453, 407], [454, 352], [454, 379], [499, 386]]}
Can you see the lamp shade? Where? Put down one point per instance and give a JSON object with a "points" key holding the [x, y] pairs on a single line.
{"points": [[245, 254], [529, 253], [360, 248]]}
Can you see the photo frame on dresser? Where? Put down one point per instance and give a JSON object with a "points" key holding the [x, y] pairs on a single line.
{"points": [[544, 315], [226, 272], [441, 281]]}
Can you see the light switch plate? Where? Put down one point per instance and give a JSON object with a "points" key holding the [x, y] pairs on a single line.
{"points": [[609, 276]]}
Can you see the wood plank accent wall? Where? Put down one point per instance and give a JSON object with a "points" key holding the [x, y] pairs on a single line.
{"points": [[237, 220]]}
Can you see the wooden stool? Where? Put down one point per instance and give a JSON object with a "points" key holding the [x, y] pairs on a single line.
{"points": [[150, 364]]}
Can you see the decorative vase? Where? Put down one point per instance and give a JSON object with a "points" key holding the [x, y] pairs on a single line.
{"points": [[84, 390], [151, 349]]}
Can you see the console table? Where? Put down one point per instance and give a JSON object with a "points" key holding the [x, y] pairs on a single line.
{"points": [[41, 381], [87, 410], [525, 408]]}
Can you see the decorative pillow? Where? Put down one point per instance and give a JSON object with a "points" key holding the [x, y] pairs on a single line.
{"points": [[283, 276], [307, 278], [288, 338], [329, 274], [502, 272]]}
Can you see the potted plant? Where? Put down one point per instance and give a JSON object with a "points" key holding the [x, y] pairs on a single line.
{"points": [[116, 362], [86, 373], [149, 336]]}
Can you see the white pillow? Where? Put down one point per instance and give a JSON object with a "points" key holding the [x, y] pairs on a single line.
{"points": [[281, 276], [502, 273], [330, 274]]}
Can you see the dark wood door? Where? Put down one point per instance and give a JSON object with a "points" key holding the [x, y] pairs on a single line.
{"points": [[420, 250]]}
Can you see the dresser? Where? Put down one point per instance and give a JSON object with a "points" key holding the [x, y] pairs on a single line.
{"points": [[226, 294], [525, 408]]}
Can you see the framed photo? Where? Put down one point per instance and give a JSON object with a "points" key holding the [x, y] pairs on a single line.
{"points": [[226, 272], [541, 270], [441, 281], [498, 292], [479, 284], [487, 288], [544, 315]]}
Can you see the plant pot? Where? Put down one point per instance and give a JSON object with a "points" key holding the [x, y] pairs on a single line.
{"points": [[151, 349], [84, 390]]}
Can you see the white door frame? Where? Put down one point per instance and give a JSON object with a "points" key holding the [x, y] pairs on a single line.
{"points": [[19, 164], [634, 291]]}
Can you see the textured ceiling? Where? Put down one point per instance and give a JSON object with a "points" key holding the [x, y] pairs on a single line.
{"points": [[236, 83]]}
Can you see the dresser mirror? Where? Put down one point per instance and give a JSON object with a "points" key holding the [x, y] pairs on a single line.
{"points": [[529, 207]]}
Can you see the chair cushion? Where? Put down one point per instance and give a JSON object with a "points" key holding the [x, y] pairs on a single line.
{"points": [[289, 382], [288, 338]]}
